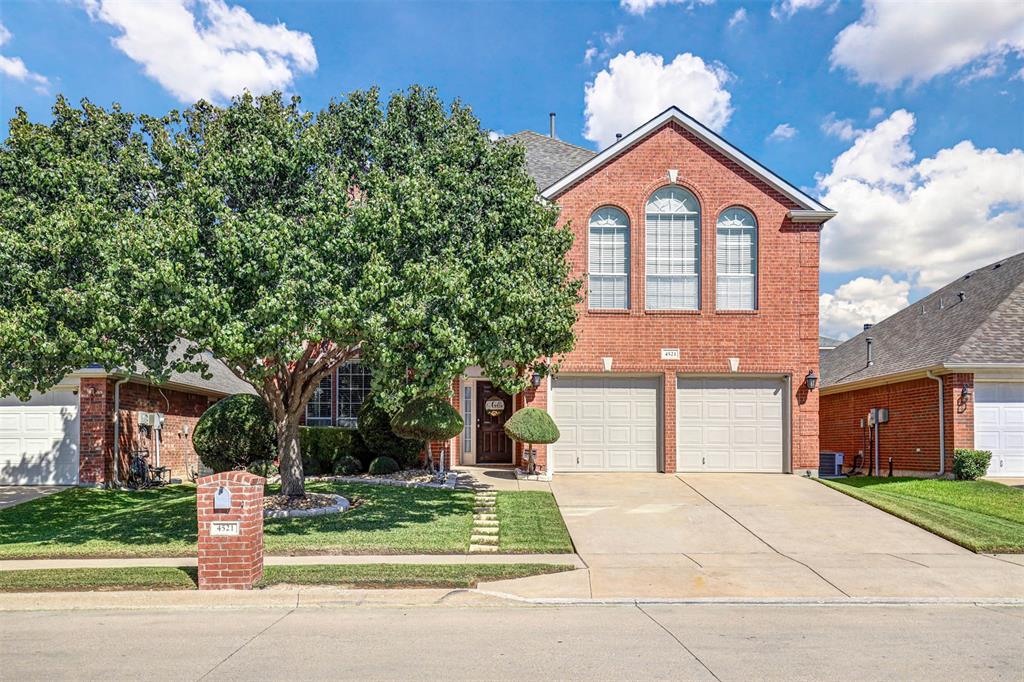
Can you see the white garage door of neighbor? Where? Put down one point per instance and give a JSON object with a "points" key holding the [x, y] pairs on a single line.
{"points": [[606, 424], [999, 425], [730, 424], [39, 440]]}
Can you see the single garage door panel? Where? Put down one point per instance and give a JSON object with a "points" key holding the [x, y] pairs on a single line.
{"points": [[730, 424], [607, 423], [39, 440], [999, 425]]}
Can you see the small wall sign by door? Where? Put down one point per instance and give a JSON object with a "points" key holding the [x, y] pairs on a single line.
{"points": [[222, 528], [494, 406]]}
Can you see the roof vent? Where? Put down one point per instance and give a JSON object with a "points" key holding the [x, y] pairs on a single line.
{"points": [[871, 360], [618, 136], [867, 326], [962, 295], [551, 125], [997, 265]]}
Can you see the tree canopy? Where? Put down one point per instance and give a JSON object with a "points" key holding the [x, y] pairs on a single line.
{"points": [[282, 242]]}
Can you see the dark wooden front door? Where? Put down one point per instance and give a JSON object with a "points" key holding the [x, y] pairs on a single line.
{"points": [[493, 446]]}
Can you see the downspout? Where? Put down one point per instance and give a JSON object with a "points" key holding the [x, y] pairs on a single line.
{"points": [[942, 424], [117, 429]]}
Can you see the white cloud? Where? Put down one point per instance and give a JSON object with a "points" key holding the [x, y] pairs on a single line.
{"points": [[933, 219], [608, 41], [206, 48], [590, 54], [788, 8], [876, 113], [738, 17], [839, 127], [641, 6], [844, 312], [894, 42], [14, 67], [783, 131], [636, 87]]}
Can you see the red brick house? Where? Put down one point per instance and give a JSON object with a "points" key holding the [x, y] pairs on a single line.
{"points": [[958, 353], [699, 323], [67, 435]]}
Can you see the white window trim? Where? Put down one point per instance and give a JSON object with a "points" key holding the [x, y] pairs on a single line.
{"points": [[695, 259], [755, 252], [627, 257]]}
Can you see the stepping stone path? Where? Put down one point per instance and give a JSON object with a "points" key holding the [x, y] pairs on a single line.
{"points": [[484, 537]]}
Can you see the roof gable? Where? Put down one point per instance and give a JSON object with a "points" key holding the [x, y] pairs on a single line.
{"points": [[810, 210]]}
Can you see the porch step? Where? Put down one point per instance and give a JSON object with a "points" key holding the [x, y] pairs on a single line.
{"points": [[482, 549], [485, 523], [483, 510], [485, 530], [483, 539]]}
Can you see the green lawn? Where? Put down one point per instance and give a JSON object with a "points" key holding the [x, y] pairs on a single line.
{"points": [[530, 522], [982, 516], [83, 522], [388, 576]]}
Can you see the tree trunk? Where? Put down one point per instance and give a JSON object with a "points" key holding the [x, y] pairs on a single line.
{"points": [[290, 457]]}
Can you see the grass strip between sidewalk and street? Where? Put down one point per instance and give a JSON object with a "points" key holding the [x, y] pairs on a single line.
{"points": [[379, 576], [982, 516]]}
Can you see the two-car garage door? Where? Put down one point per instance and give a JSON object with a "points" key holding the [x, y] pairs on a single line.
{"points": [[722, 424]]}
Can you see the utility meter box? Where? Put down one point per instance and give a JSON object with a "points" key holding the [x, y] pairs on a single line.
{"points": [[883, 415]]}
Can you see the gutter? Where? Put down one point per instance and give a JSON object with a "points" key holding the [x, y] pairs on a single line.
{"points": [[942, 423], [117, 429]]}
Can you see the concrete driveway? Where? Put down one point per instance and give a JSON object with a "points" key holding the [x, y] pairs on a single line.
{"points": [[11, 495], [759, 536]]}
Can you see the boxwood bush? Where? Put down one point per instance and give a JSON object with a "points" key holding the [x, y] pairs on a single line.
{"points": [[380, 440], [383, 466], [347, 465], [969, 465], [324, 446], [235, 433]]}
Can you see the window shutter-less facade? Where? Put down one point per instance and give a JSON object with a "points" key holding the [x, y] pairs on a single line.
{"points": [[609, 260], [736, 260], [673, 250]]}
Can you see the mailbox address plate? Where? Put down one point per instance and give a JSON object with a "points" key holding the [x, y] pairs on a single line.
{"points": [[222, 528], [669, 353]]}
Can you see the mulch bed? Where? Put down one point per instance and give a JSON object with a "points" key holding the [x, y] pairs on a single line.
{"points": [[310, 501]]}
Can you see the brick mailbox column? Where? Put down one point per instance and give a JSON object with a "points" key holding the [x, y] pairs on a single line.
{"points": [[229, 508]]}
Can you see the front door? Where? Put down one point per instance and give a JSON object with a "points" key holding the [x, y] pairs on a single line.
{"points": [[493, 408]]}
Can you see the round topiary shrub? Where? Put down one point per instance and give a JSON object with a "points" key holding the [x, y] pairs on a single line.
{"points": [[427, 419], [235, 433], [375, 429], [531, 425], [382, 466], [348, 466]]}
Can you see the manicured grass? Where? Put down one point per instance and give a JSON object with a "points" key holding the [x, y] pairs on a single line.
{"points": [[341, 575], [982, 516], [530, 522], [98, 579], [83, 522], [402, 575]]}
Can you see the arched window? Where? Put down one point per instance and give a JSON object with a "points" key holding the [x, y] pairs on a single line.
{"points": [[609, 259], [736, 260], [673, 250]]}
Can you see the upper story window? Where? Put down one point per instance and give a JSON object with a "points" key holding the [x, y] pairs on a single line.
{"points": [[609, 259], [353, 387], [736, 260], [673, 250], [318, 409]]}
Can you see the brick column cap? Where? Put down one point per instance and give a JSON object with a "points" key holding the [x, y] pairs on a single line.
{"points": [[228, 477]]}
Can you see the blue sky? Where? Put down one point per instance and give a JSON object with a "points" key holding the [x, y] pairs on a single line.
{"points": [[906, 118]]}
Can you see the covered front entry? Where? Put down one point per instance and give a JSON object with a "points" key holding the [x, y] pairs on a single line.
{"points": [[999, 425], [607, 423], [730, 424], [493, 408]]}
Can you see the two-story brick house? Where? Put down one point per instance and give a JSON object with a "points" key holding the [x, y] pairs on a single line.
{"points": [[699, 324]]}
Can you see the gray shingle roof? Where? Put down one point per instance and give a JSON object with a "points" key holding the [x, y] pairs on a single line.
{"points": [[222, 381], [549, 159], [828, 342], [987, 326]]}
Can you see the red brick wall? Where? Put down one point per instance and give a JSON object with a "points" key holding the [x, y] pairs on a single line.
{"points": [[96, 450], [230, 562], [911, 437], [781, 337]]}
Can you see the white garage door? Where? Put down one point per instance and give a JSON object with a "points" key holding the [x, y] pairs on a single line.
{"points": [[999, 425], [607, 424], [730, 424], [39, 440]]}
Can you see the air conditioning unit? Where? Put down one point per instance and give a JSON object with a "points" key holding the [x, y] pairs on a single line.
{"points": [[830, 464]]}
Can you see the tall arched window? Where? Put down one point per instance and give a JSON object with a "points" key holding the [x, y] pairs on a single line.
{"points": [[673, 250], [609, 259], [736, 260]]}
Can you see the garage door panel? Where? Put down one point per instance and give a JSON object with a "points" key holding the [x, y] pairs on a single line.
{"points": [[716, 410], [744, 436], [617, 421], [999, 425], [39, 440]]}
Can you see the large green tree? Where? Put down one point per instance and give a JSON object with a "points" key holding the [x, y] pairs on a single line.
{"points": [[283, 242]]}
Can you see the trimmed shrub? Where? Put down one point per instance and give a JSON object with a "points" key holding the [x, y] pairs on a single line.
{"points": [[383, 466], [323, 446], [427, 419], [969, 465], [347, 465], [375, 429], [531, 425], [235, 433]]}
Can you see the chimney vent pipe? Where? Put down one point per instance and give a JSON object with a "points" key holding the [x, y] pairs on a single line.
{"points": [[871, 360], [551, 125], [867, 326]]}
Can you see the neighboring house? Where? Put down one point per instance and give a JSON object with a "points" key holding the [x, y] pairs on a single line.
{"points": [[827, 343], [66, 435], [961, 348]]}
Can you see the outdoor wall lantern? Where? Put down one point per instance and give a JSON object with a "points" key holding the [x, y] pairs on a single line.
{"points": [[965, 394], [535, 379], [812, 380]]}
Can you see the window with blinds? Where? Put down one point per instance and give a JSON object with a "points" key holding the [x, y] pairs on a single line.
{"points": [[609, 259], [673, 250], [318, 409], [736, 260], [353, 387]]}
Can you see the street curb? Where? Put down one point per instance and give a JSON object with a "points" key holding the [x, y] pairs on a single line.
{"points": [[755, 601]]}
